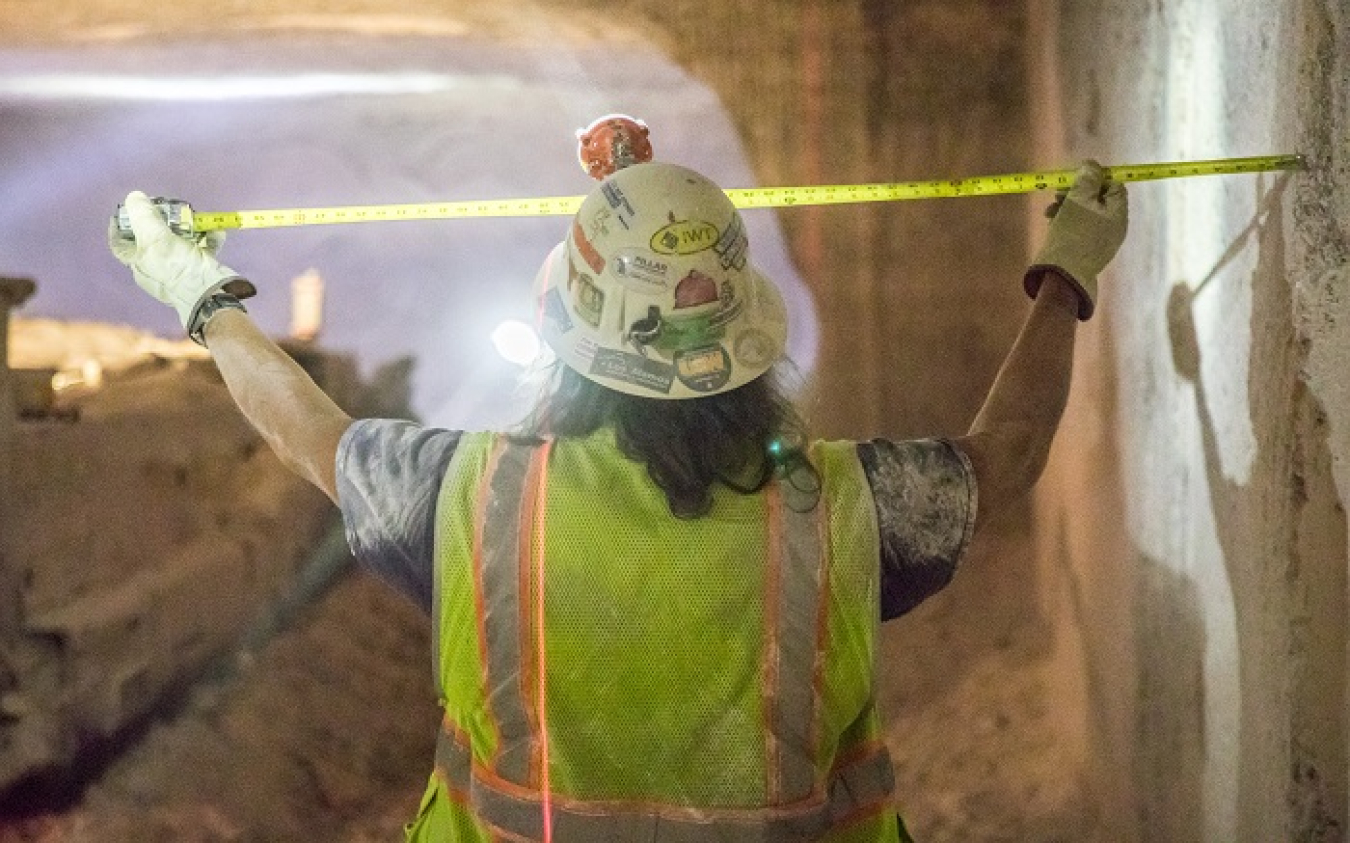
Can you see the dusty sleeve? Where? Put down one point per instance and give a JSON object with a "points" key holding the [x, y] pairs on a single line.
{"points": [[925, 497], [388, 478]]}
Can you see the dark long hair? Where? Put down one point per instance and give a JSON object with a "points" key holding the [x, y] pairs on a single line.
{"points": [[687, 445]]}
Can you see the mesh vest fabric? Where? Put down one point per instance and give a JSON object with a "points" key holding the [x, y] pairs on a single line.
{"points": [[663, 644]]}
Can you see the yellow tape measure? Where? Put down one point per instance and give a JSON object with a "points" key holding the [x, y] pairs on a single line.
{"points": [[760, 197]]}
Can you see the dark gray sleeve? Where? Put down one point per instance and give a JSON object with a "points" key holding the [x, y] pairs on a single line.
{"points": [[925, 500], [389, 476]]}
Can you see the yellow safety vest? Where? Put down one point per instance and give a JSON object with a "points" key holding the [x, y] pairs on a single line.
{"points": [[612, 673]]}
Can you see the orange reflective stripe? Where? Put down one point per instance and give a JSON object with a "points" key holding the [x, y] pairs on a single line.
{"points": [[524, 584], [537, 490]]}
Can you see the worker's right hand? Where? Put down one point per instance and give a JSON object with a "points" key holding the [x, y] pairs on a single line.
{"points": [[1086, 231], [175, 270]]}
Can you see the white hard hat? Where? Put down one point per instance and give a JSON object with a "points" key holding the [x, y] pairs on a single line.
{"points": [[652, 292]]}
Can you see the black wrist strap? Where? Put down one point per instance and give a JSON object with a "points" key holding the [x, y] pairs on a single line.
{"points": [[207, 308]]}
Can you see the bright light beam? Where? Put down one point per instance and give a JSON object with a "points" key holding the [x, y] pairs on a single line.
{"points": [[516, 342]]}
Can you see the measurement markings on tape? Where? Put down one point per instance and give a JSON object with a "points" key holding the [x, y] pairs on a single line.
{"points": [[760, 197]]}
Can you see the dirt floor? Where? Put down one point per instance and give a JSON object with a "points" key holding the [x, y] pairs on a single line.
{"points": [[325, 735]]}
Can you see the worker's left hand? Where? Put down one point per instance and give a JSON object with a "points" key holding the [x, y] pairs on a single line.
{"points": [[175, 270]]}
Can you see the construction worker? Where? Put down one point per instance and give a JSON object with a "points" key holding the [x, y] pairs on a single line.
{"points": [[656, 605]]}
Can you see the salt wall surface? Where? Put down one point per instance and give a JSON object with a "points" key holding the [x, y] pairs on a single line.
{"points": [[1193, 529]]}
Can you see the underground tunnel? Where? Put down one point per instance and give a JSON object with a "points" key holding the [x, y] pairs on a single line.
{"points": [[1151, 646]]}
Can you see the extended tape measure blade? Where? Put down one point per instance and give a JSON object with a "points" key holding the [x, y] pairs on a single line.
{"points": [[760, 197]]}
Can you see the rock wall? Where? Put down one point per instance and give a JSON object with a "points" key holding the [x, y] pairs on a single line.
{"points": [[1193, 529], [146, 528]]}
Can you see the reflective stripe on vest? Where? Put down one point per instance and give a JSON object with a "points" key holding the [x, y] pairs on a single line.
{"points": [[502, 559], [505, 792], [857, 788]]}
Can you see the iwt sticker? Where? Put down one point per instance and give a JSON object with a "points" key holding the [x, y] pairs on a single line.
{"points": [[685, 237]]}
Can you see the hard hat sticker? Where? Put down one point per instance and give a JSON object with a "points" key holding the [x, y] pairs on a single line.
{"points": [[588, 300], [685, 237], [641, 271], [586, 250], [618, 202], [633, 368], [695, 289], [732, 245], [585, 348], [598, 225], [704, 369]]}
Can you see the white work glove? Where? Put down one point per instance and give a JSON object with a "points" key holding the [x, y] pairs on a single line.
{"points": [[1088, 227], [180, 272]]}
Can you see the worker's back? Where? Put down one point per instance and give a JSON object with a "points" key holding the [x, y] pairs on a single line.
{"points": [[697, 679]]}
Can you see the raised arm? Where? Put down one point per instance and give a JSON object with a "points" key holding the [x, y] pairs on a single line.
{"points": [[1009, 441], [296, 418]]}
